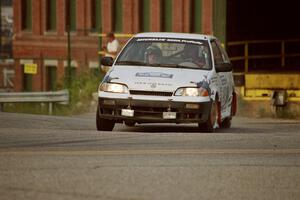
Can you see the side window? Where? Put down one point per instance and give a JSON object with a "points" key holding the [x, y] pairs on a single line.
{"points": [[223, 52], [216, 52]]}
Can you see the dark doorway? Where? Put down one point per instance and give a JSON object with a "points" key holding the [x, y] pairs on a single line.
{"points": [[262, 20]]}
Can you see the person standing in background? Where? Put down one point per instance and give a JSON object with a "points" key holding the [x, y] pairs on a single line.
{"points": [[113, 46], [111, 50]]}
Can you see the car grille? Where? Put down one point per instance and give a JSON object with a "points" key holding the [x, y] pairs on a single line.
{"points": [[151, 93]]}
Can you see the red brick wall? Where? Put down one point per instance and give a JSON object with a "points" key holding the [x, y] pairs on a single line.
{"points": [[36, 18], [107, 12], [60, 17], [186, 18], [177, 15], [128, 16], [207, 16], [17, 15], [155, 13], [37, 79], [81, 17], [135, 16]]}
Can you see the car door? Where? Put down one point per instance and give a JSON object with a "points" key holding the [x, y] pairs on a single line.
{"points": [[224, 73]]}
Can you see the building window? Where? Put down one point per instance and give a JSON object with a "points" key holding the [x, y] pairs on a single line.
{"points": [[144, 15], [117, 15], [50, 15], [166, 16], [26, 13], [70, 11], [51, 78], [195, 16], [95, 15], [217, 53]]}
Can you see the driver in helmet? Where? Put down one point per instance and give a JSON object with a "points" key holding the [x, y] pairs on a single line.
{"points": [[153, 55], [191, 55]]}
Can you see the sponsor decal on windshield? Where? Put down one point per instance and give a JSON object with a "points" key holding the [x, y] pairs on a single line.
{"points": [[169, 40], [154, 74]]}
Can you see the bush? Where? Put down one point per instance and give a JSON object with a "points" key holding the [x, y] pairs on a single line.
{"points": [[81, 90]]}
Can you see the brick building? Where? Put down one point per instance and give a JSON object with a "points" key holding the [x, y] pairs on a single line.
{"points": [[40, 31]]}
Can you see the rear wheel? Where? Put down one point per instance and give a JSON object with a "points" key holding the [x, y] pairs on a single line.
{"points": [[104, 124]]}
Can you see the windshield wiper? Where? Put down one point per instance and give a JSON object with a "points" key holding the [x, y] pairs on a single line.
{"points": [[189, 67], [130, 62], [178, 66]]}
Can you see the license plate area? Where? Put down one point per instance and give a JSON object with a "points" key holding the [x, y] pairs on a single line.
{"points": [[127, 112], [169, 115]]}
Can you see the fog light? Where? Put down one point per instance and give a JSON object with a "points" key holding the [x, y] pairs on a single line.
{"points": [[192, 106], [109, 102]]}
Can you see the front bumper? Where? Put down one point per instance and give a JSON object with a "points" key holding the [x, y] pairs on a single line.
{"points": [[147, 111]]}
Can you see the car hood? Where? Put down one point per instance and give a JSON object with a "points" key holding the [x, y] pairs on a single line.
{"points": [[156, 78]]}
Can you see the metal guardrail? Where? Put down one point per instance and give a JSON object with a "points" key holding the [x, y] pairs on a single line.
{"points": [[247, 56], [61, 96]]}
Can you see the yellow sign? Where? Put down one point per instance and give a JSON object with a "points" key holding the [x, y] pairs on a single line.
{"points": [[30, 68]]}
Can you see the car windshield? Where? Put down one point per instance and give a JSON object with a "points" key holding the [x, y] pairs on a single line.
{"points": [[166, 52]]}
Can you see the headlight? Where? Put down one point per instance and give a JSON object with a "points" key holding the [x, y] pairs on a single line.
{"points": [[113, 87], [192, 92]]}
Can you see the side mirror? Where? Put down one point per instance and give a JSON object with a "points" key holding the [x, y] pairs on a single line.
{"points": [[107, 61], [223, 67]]}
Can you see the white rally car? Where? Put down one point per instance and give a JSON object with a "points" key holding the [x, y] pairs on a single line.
{"points": [[168, 78]]}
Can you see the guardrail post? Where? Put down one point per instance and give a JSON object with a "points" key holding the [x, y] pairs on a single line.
{"points": [[50, 108]]}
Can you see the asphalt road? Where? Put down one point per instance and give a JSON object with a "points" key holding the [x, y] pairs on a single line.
{"points": [[48, 157]]}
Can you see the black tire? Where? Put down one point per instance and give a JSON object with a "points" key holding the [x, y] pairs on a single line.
{"points": [[130, 123], [104, 124], [226, 123], [209, 125]]}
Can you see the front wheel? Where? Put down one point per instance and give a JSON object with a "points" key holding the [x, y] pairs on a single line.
{"points": [[104, 124], [213, 119], [226, 123], [130, 123]]}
